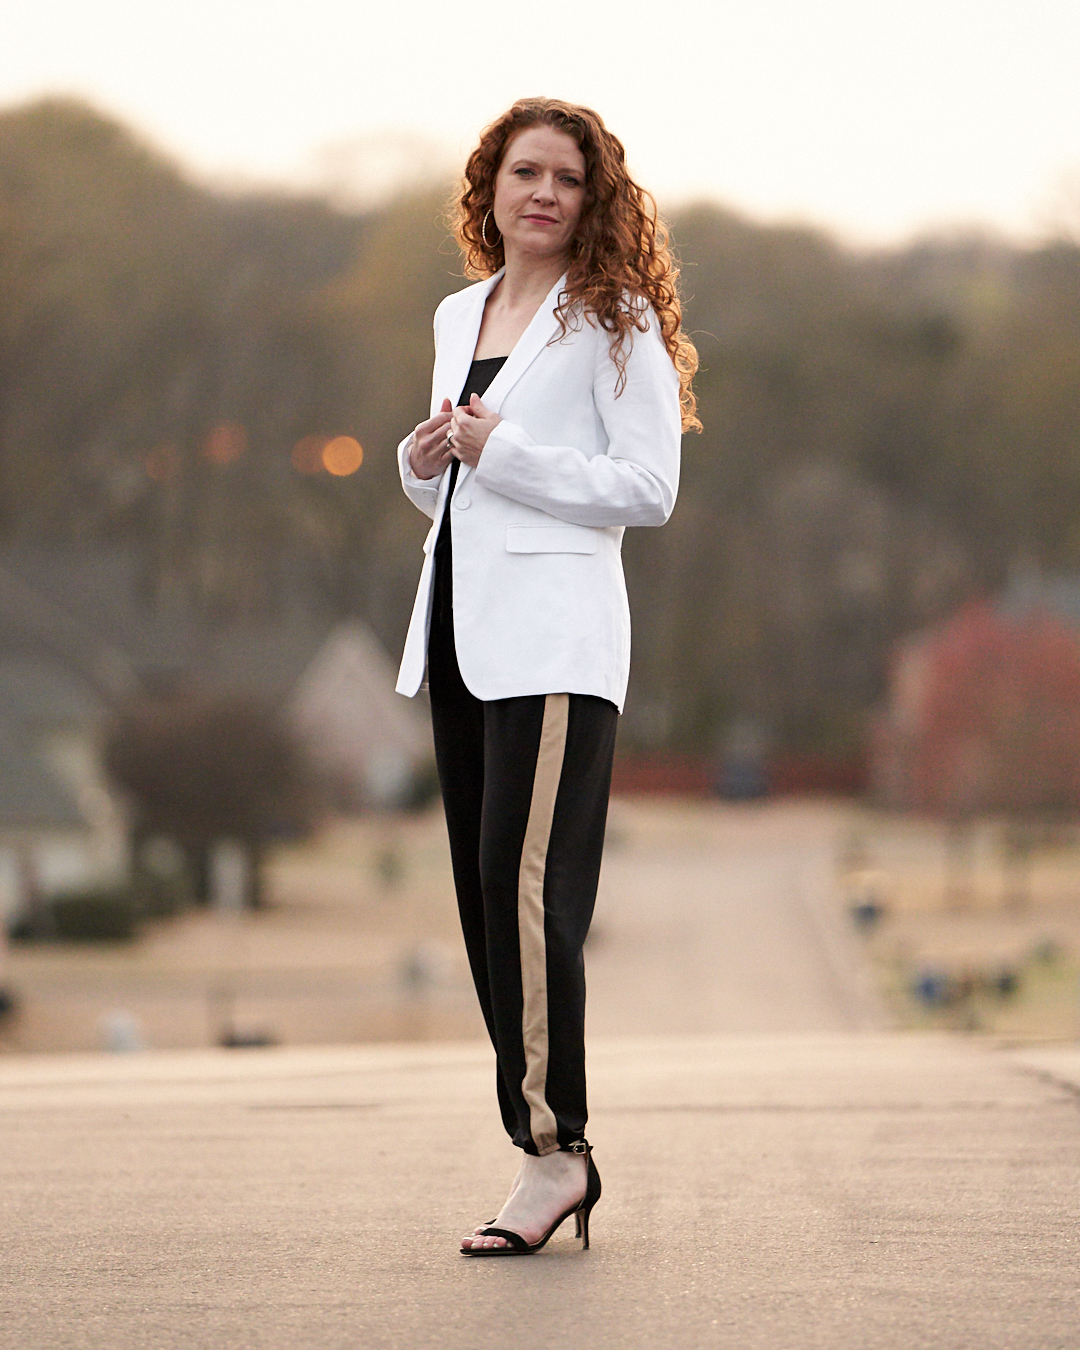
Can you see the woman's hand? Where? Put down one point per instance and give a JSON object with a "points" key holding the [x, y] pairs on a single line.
{"points": [[429, 453], [469, 429]]}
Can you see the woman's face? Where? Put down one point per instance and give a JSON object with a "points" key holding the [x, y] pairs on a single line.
{"points": [[539, 191]]}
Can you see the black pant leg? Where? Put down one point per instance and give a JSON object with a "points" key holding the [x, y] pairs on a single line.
{"points": [[573, 872], [525, 787], [547, 772], [457, 720], [512, 732]]}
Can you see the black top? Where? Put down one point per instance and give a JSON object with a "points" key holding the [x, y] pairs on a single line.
{"points": [[480, 375]]}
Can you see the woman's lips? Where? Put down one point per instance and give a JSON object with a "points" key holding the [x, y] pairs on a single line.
{"points": [[543, 220]]}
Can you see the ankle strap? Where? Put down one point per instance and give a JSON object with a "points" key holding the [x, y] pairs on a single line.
{"points": [[581, 1146]]}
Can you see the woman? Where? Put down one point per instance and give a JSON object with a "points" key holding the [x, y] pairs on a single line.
{"points": [[561, 385]]}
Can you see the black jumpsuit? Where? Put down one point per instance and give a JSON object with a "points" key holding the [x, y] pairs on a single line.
{"points": [[525, 786]]}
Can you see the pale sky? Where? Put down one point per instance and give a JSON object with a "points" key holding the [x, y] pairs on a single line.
{"points": [[875, 119]]}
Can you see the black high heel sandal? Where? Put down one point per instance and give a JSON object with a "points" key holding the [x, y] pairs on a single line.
{"points": [[516, 1244]]}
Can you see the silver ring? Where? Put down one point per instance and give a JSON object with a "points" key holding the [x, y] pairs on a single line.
{"points": [[449, 440]]}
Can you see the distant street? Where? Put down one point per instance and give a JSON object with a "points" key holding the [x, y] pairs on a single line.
{"points": [[711, 919], [715, 919]]}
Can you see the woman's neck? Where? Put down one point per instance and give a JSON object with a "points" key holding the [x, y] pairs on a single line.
{"points": [[513, 303], [528, 278]]}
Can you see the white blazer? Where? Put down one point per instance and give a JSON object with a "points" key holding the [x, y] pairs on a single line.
{"points": [[539, 598]]}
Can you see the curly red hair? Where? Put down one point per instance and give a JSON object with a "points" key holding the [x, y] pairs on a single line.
{"points": [[620, 247]]}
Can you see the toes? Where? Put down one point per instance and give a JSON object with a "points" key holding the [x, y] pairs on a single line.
{"points": [[476, 1240]]}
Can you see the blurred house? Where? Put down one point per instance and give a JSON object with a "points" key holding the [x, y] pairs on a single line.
{"points": [[366, 741], [79, 638], [61, 826], [983, 710]]}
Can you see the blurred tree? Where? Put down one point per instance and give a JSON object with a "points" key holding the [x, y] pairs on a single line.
{"points": [[998, 730], [1000, 723], [202, 769], [379, 312], [149, 314], [884, 431]]}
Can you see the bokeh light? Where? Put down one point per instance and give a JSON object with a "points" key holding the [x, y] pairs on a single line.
{"points": [[163, 463], [307, 454], [342, 456], [225, 443]]}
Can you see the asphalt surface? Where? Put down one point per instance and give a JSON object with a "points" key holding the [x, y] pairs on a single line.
{"points": [[803, 1191]]}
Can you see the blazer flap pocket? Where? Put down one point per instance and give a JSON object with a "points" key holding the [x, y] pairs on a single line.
{"points": [[550, 539]]}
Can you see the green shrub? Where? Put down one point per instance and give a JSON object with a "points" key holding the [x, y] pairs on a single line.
{"points": [[161, 897], [94, 916]]}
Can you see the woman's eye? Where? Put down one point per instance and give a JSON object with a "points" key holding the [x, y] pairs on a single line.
{"points": [[523, 173]]}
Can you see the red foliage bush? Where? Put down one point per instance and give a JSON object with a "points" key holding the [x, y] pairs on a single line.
{"points": [[999, 724]]}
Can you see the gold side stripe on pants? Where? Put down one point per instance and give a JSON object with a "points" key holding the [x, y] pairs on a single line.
{"points": [[534, 1011]]}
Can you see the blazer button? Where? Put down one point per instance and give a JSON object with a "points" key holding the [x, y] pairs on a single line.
{"points": [[463, 503]]}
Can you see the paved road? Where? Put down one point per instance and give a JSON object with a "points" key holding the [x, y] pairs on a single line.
{"points": [[846, 1192]]}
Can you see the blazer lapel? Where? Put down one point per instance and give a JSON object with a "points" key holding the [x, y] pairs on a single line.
{"points": [[457, 345], [543, 327]]}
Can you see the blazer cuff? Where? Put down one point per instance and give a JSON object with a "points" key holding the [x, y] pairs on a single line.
{"points": [[491, 468], [408, 478]]}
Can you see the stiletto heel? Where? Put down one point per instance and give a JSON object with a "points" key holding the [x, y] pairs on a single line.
{"points": [[516, 1244]]}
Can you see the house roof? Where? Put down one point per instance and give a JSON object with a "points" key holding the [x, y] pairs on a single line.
{"points": [[79, 634], [1028, 590], [89, 610], [31, 795]]}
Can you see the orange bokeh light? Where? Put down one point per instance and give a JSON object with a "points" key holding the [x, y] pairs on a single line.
{"points": [[307, 454], [225, 443], [342, 456], [163, 463]]}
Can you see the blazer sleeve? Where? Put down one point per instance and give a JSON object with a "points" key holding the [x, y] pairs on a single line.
{"points": [[422, 492], [636, 481]]}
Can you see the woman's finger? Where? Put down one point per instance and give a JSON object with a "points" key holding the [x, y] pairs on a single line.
{"points": [[439, 419], [433, 427], [437, 436], [464, 418]]}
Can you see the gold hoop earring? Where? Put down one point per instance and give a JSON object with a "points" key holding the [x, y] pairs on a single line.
{"points": [[483, 231]]}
